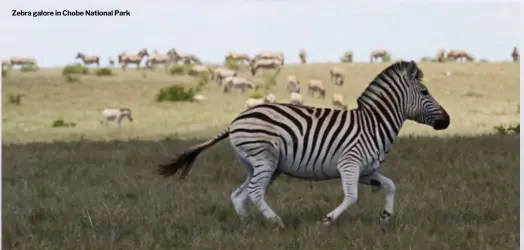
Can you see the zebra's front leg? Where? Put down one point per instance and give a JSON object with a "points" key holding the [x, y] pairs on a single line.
{"points": [[349, 174], [380, 181]]}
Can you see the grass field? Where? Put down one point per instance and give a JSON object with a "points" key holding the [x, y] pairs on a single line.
{"points": [[63, 189]]}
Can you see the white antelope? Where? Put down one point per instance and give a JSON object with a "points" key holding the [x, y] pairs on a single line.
{"points": [[88, 60], [116, 115], [338, 102], [158, 58], [22, 61], [293, 84], [184, 57], [219, 74], [337, 74], [296, 99], [274, 64], [126, 59], [316, 86], [239, 83]]}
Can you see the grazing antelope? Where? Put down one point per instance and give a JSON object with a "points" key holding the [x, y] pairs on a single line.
{"points": [[348, 56], [316, 86], [158, 58], [338, 102], [375, 54], [303, 56], [457, 55], [184, 57], [239, 57], [269, 55], [266, 64], [219, 74], [111, 61], [116, 115], [515, 54], [199, 69], [441, 55], [238, 82], [293, 84], [337, 74], [126, 59], [88, 60], [296, 99], [30, 61]]}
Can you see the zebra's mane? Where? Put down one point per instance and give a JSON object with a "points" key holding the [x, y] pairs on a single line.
{"points": [[375, 88]]}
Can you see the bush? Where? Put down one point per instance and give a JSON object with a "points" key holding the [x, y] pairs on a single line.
{"points": [[104, 72], [76, 68], [29, 68], [178, 70], [62, 124], [503, 130], [14, 99], [175, 93], [231, 64], [387, 58]]}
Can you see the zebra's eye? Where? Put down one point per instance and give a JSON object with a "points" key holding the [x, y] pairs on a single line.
{"points": [[424, 92]]}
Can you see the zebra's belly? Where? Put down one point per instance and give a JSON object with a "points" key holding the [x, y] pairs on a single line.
{"points": [[318, 172]]}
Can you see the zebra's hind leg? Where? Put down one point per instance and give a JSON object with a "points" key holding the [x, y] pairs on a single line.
{"points": [[240, 199], [264, 161], [383, 182]]}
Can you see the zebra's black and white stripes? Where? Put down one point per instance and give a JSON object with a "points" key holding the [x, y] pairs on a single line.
{"points": [[321, 144]]}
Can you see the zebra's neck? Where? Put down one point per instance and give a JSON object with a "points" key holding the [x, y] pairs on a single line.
{"points": [[384, 120]]}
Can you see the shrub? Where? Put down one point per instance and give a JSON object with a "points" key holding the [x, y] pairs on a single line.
{"points": [[76, 68], [346, 59], [104, 72], [387, 58], [175, 93], [62, 124], [14, 99], [177, 70], [428, 59], [231, 64], [509, 129], [29, 68]]}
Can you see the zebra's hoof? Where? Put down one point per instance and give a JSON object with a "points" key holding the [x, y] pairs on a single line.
{"points": [[327, 220]]}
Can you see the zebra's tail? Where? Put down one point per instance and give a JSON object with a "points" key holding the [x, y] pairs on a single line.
{"points": [[187, 158]]}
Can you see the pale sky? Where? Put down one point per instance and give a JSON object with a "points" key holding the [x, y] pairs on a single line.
{"points": [[409, 30]]}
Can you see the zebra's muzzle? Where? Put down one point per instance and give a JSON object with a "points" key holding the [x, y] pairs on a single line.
{"points": [[443, 121]]}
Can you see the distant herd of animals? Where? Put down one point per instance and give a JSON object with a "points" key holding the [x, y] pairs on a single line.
{"points": [[229, 78], [262, 60]]}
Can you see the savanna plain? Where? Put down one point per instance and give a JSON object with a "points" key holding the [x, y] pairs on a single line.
{"points": [[94, 186]]}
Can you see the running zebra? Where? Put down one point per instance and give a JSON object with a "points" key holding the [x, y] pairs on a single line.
{"points": [[322, 144]]}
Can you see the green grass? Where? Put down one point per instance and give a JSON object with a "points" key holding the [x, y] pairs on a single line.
{"points": [[452, 193], [63, 189]]}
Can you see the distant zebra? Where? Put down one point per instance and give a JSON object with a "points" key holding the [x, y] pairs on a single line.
{"points": [[320, 144]]}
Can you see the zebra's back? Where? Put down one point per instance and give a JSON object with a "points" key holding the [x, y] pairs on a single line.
{"points": [[308, 140]]}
